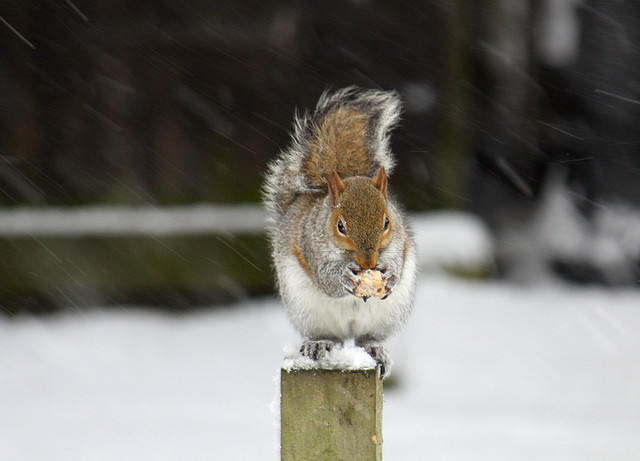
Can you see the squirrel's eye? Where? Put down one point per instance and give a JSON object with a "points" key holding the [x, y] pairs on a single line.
{"points": [[341, 228], [386, 223]]}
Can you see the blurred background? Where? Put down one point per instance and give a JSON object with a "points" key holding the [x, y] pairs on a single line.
{"points": [[524, 113], [134, 136]]}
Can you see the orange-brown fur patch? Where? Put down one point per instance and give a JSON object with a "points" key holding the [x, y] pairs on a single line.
{"points": [[301, 260], [340, 143]]}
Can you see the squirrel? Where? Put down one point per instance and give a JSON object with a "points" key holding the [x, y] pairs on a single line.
{"points": [[331, 218]]}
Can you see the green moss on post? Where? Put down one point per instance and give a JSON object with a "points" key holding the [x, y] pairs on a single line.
{"points": [[331, 415]]}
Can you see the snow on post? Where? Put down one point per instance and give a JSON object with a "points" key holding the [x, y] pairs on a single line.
{"points": [[330, 413]]}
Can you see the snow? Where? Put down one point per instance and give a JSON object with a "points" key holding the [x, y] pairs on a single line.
{"points": [[485, 371], [499, 372], [558, 32], [609, 241], [451, 239], [140, 220], [347, 357]]}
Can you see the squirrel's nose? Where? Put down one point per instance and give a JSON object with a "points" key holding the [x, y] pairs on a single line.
{"points": [[368, 259]]}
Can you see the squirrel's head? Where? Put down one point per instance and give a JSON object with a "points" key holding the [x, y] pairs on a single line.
{"points": [[359, 219]]}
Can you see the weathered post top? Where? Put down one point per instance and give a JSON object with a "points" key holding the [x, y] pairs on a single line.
{"points": [[331, 415]]}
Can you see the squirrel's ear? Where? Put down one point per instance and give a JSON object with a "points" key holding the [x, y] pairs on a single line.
{"points": [[380, 181], [336, 187]]}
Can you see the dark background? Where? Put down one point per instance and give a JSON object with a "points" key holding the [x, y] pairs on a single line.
{"points": [[159, 103]]}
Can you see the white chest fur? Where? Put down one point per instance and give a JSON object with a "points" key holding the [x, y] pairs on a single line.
{"points": [[317, 315]]}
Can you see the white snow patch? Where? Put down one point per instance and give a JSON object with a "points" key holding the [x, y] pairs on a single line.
{"points": [[558, 32], [487, 371], [448, 239], [121, 220], [341, 357], [609, 241]]}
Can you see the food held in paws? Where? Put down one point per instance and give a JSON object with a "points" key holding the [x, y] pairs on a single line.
{"points": [[371, 284]]}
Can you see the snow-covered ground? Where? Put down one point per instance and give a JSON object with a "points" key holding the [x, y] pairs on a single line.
{"points": [[486, 371]]}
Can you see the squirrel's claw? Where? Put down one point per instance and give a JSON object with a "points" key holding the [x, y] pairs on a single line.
{"points": [[379, 353], [316, 349], [389, 276], [392, 280], [349, 278]]}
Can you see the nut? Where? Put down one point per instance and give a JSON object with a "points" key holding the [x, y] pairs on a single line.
{"points": [[371, 283]]}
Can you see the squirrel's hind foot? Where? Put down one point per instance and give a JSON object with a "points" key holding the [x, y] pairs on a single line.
{"points": [[379, 353], [316, 349]]}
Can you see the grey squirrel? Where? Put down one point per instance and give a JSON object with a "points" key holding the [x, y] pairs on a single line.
{"points": [[332, 219]]}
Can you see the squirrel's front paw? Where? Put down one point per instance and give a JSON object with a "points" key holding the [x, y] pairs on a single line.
{"points": [[349, 278], [390, 278]]}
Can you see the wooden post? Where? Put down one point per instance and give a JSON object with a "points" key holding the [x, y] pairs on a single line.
{"points": [[331, 415]]}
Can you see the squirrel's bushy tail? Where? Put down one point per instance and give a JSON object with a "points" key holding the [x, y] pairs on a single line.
{"points": [[347, 132]]}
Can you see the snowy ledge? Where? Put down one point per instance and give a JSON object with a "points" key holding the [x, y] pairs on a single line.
{"points": [[444, 239], [116, 221]]}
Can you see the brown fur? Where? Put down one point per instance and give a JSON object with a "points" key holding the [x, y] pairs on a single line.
{"points": [[380, 182], [302, 261], [364, 224], [340, 143], [336, 187]]}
